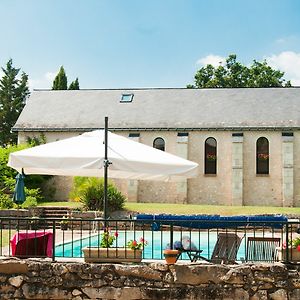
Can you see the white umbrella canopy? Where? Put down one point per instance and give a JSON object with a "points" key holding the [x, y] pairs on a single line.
{"points": [[83, 155]]}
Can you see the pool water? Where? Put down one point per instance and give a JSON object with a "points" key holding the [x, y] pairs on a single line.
{"points": [[157, 241]]}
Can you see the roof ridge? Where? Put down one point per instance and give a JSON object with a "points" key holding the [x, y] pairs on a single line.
{"points": [[164, 88]]}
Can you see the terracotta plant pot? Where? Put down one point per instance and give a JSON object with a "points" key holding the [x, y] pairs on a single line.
{"points": [[171, 256]]}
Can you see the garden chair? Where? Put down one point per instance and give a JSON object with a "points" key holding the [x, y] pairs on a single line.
{"points": [[226, 248], [262, 249]]}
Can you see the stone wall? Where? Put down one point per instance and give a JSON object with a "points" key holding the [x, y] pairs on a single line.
{"points": [[34, 279], [22, 223]]}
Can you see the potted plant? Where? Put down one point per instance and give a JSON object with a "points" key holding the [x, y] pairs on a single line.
{"points": [[293, 249], [171, 255], [135, 248], [64, 223], [211, 157], [106, 253], [263, 156]]}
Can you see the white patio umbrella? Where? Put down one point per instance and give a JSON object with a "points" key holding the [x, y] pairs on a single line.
{"points": [[91, 152], [83, 155]]}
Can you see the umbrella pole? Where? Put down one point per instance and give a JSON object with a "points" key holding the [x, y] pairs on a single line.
{"points": [[106, 163]]}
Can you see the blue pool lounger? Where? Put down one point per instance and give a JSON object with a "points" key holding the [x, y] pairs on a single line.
{"points": [[212, 221]]}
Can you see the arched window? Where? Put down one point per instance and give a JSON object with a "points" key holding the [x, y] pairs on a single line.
{"points": [[210, 161], [159, 144], [262, 156]]}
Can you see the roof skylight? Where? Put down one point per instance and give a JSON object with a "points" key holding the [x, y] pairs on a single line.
{"points": [[126, 98]]}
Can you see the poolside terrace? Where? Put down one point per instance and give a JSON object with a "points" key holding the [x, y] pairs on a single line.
{"points": [[202, 235]]}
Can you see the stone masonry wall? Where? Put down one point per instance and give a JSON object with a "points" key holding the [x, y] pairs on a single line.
{"points": [[37, 279], [232, 185]]}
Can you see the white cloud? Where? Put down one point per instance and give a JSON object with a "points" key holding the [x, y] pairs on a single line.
{"points": [[289, 63], [211, 59], [45, 82]]}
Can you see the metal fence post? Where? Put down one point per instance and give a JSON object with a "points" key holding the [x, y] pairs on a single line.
{"points": [[287, 243], [171, 236], [53, 242]]}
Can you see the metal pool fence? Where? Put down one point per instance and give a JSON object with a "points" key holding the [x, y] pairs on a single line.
{"points": [[206, 240]]}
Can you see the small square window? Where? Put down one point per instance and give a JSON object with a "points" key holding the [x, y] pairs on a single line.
{"points": [[126, 98], [134, 135], [182, 134], [287, 134]]}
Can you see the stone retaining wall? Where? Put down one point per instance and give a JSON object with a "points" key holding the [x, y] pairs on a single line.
{"points": [[38, 279], [20, 214]]}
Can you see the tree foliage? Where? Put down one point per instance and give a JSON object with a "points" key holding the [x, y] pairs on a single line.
{"points": [[8, 174], [90, 191], [13, 94], [233, 74], [74, 85], [35, 184], [61, 81]]}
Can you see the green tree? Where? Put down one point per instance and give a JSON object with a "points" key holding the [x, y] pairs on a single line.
{"points": [[60, 81], [74, 85], [35, 184], [235, 75], [13, 94]]}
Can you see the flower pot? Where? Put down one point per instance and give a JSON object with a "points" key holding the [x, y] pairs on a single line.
{"points": [[95, 254], [171, 256], [293, 254]]}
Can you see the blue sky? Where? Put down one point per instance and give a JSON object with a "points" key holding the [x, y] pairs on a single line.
{"points": [[140, 43]]}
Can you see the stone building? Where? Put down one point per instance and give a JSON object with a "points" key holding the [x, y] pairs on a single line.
{"points": [[246, 141]]}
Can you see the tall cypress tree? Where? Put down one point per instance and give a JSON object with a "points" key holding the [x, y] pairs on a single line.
{"points": [[74, 85], [60, 81], [13, 94]]}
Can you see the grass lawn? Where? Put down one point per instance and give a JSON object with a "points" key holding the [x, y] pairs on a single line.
{"points": [[6, 236], [62, 203], [209, 209], [193, 209]]}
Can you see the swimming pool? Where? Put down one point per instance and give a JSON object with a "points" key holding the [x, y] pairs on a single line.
{"points": [[157, 241]]}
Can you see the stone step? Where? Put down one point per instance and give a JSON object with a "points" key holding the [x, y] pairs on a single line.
{"points": [[55, 207], [55, 212]]}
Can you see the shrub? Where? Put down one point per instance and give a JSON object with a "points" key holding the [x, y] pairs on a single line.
{"points": [[29, 202], [90, 191], [79, 184], [6, 202], [8, 174], [36, 141], [33, 196], [34, 193]]}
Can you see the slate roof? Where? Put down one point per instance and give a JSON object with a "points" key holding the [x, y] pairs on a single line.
{"points": [[162, 108]]}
